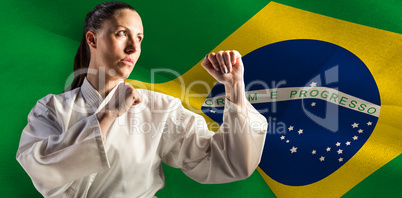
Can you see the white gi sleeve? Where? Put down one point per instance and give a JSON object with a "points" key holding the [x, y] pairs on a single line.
{"points": [[230, 154], [54, 158]]}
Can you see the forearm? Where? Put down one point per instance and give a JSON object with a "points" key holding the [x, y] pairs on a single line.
{"points": [[46, 150], [235, 93], [229, 155], [105, 118]]}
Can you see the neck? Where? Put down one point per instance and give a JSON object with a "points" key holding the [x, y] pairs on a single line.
{"points": [[102, 82]]}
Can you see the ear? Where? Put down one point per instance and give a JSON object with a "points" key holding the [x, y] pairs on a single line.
{"points": [[91, 39]]}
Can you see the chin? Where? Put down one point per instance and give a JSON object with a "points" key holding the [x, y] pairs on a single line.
{"points": [[124, 73]]}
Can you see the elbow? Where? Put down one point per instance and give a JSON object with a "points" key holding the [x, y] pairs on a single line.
{"points": [[48, 186], [243, 170], [247, 172], [253, 156], [251, 170], [250, 166]]}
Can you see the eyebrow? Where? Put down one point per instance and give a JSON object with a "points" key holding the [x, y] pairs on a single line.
{"points": [[127, 28]]}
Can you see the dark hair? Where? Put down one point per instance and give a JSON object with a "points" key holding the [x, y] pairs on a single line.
{"points": [[93, 22]]}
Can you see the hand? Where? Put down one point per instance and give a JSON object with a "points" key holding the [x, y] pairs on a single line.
{"points": [[225, 66], [122, 100]]}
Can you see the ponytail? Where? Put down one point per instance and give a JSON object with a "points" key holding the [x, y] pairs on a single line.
{"points": [[81, 63]]}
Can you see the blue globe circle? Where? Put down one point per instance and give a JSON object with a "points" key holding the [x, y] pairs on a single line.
{"points": [[309, 138]]}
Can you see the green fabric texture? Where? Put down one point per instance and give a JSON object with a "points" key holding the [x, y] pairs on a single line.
{"points": [[39, 40], [385, 182]]}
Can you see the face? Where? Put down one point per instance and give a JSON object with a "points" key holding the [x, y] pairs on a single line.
{"points": [[118, 44]]}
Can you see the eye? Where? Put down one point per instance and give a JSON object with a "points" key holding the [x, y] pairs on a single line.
{"points": [[139, 38], [121, 33]]}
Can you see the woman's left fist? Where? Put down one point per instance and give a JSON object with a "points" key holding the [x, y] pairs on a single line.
{"points": [[225, 66]]}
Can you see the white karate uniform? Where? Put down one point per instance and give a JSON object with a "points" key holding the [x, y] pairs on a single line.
{"points": [[62, 151]]}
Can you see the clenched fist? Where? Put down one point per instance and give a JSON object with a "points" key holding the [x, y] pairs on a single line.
{"points": [[225, 66], [122, 100]]}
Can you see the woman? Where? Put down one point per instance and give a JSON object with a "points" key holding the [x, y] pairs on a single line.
{"points": [[91, 141]]}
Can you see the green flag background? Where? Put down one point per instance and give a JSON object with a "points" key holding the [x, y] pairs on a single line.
{"points": [[39, 40]]}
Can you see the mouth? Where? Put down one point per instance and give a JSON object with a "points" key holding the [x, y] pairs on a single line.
{"points": [[128, 61]]}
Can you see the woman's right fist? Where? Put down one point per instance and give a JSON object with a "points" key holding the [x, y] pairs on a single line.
{"points": [[122, 100]]}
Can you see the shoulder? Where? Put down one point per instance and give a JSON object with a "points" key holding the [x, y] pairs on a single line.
{"points": [[159, 100], [52, 102], [156, 95]]}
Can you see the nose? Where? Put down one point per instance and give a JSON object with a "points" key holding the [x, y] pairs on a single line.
{"points": [[132, 45]]}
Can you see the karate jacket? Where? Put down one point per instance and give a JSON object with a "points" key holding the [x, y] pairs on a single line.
{"points": [[62, 151]]}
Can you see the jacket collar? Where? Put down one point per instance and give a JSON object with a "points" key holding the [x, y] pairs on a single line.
{"points": [[92, 96]]}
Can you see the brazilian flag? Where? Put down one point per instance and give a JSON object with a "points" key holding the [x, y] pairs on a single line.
{"points": [[315, 56]]}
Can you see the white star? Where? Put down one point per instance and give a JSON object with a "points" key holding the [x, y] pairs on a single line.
{"points": [[340, 159], [313, 152], [293, 150], [340, 151], [347, 143], [354, 137], [287, 141], [338, 144], [354, 125], [322, 158], [212, 111], [369, 123], [290, 128], [313, 84], [360, 131], [328, 149], [300, 131], [313, 104], [282, 137]]}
